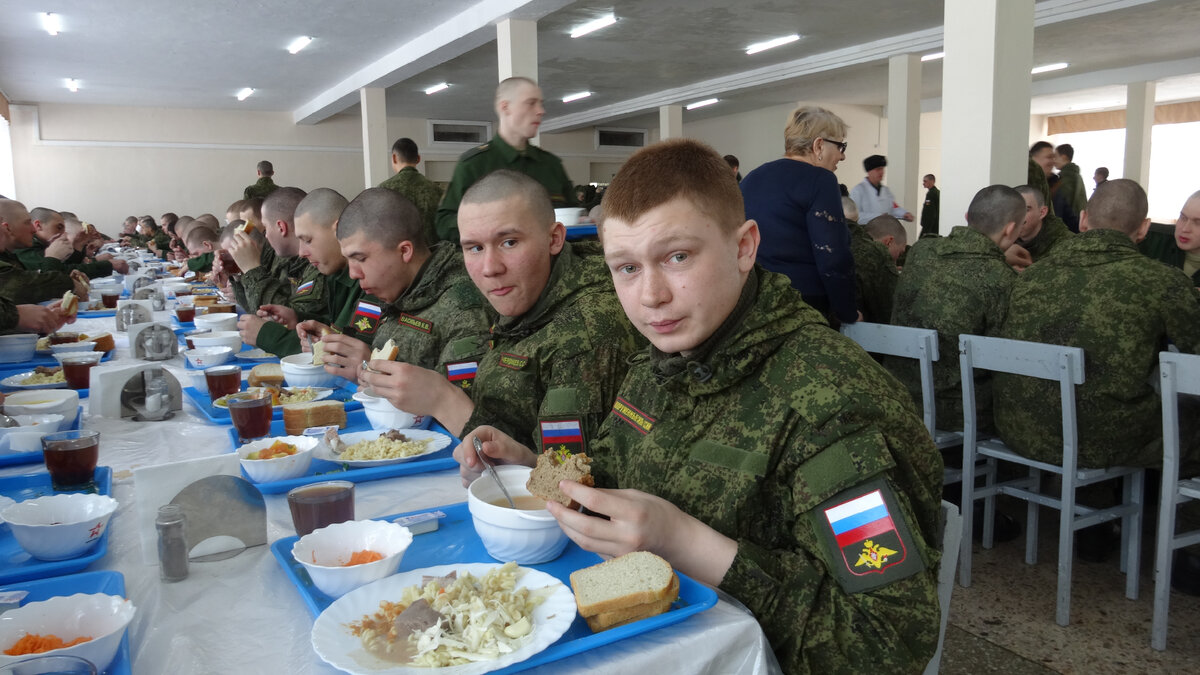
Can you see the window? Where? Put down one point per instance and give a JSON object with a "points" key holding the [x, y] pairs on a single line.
{"points": [[613, 137], [453, 133]]}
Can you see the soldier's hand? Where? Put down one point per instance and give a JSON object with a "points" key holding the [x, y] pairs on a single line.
{"points": [[245, 251], [249, 326], [310, 331], [59, 247], [1017, 257], [39, 319], [119, 266], [499, 447], [80, 288], [344, 355], [419, 391], [280, 314], [218, 276]]}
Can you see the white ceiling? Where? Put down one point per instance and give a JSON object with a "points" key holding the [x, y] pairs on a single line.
{"points": [[199, 54]]}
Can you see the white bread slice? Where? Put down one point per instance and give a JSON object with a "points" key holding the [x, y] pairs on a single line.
{"points": [[388, 352], [265, 374], [299, 416], [620, 617], [69, 304], [318, 353], [632, 579]]}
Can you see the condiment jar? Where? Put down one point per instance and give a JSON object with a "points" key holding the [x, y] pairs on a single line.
{"points": [[172, 543]]}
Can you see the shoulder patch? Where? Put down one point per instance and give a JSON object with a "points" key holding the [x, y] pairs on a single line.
{"points": [[462, 373], [564, 435], [366, 317], [305, 288]]}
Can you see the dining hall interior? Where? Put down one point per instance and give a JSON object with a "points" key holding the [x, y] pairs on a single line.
{"points": [[126, 107]]}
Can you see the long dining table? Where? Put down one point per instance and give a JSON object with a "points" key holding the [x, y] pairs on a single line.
{"points": [[244, 615]]}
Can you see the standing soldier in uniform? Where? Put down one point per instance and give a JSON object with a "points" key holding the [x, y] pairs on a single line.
{"points": [[18, 284], [519, 107], [264, 185], [755, 449], [417, 188], [931, 211]]}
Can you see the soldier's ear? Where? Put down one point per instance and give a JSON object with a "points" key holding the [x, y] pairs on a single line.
{"points": [[1140, 233]]}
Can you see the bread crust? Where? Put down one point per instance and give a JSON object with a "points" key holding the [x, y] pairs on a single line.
{"points": [[620, 617], [69, 304], [668, 591], [299, 416]]}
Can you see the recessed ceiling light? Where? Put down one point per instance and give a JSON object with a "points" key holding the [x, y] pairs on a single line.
{"points": [[576, 96], [592, 26], [299, 43], [1048, 68], [436, 88], [701, 104], [51, 22], [762, 46], [72, 84], [244, 93], [933, 56]]}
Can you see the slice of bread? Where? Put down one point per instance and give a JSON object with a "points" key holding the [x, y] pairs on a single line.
{"points": [[299, 416], [318, 353], [553, 467], [633, 579], [645, 610], [388, 352], [265, 374], [69, 304]]}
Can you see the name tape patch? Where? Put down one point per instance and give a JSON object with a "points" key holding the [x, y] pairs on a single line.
{"points": [[513, 362], [416, 323], [636, 418]]}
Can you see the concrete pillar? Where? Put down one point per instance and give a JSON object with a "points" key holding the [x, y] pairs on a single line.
{"points": [[670, 122], [985, 100], [904, 135], [1139, 122], [516, 51], [377, 147]]}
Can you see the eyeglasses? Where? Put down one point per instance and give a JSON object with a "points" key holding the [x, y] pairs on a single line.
{"points": [[841, 145]]}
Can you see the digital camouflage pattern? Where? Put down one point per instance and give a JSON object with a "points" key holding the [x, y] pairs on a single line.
{"points": [[136, 240], [35, 258], [260, 189], [1160, 245], [544, 167], [336, 291], [1054, 229], [274, 282], [441, 318], [565, 357], [875, 275], [955, 284], [422, 192], [163, 241], [1071, 184], [9, 316], [784, 414], [1096, 291], [27, 287]]}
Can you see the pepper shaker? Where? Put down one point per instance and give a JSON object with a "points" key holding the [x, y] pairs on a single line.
{"points": [[172, 543]]}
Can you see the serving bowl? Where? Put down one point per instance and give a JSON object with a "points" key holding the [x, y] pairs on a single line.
{"points": [[206, 357], [59, 526], [70, 347], [524, 537], [324, 553], [568, 217], [27, 436], [101, 617], [218, 338], [383, 415], [279, 468], [63, 402], [217, 322], [299, 371], [17, 347]]}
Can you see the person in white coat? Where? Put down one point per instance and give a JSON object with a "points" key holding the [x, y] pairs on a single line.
{"points": [[872, 197]]}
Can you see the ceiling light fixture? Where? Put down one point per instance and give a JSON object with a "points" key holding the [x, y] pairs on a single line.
{"points": [[299, 43], [72, 84], [769, 44], [593, 26], [51, 22], [701, 104], [933, 56], [436, 88], [244, 93], [1048, 68], [576, 96]]}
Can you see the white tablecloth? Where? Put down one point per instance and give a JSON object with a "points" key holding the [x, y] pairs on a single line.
{"points": [[243, 615]]}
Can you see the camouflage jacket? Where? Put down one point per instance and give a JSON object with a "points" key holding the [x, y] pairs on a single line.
{"points": [[1071, 185], [441, 319], [201, 263], [955, 284], [27, 287], [422, 192], [784, 419], [1096, 291], [563, 359], [275, 283], [9, 316], [1054, 229], [875, 275], [1160, 245], [336, 292], [260, 189], [34, 258]]}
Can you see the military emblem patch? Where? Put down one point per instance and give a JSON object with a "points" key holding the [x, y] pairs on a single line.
{"points": [[562, 435], [416, 323], [366, 317], [512, 361], [305, 288], [462, 373], [869, 542], [636, 418]]}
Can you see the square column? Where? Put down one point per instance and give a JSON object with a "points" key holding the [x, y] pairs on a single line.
{"points": [[516, 49], [670, 122], [904, 134], [985, 100], [1139, 123], [377, 147]]}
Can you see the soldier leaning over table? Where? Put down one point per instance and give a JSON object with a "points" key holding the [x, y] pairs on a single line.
{"points": [[276, 282], [54, 248], [25, 286]]}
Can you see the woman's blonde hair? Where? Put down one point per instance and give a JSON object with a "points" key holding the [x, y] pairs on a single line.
{"points": [[808, 123]]}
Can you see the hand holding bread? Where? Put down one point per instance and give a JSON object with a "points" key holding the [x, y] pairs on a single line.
{"points": [[499, 448]]}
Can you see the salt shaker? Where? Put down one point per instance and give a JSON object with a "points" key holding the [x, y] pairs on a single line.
{"points": [[172, 543]]}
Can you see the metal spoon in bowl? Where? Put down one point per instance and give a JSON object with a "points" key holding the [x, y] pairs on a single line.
{"points": [[7, 422], [492, 471]]}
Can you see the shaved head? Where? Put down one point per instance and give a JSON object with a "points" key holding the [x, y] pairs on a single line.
{"points": [[1117, 205], [322, 206], [12, 210], [508, 88], [43, 214], [385, 216], [281, 204], [505, 184]]}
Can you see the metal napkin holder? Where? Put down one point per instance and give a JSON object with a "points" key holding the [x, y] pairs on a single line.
{"points": [[222, 506]]}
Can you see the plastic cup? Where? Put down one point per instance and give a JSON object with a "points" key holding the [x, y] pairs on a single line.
{"points": [[251, 414], [185, 314], [71, 458], [110, 299], [61, 664], [77, 368], [320, 504], [223, 381]]}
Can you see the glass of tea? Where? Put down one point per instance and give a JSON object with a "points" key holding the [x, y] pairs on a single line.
{"points": [[185, 313], [63, 338], [320, 504], [77, 367], [50, 664], [223, 381], [71, 458], [251, 414], [110, 299]]}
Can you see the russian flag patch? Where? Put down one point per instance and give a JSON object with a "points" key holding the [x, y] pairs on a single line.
{"points": [[869, 541], [562, 434], [462, 373]]}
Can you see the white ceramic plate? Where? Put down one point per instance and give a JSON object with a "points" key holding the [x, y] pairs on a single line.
{"points": [[333, 642], [322, 394], [439, 441], [14, 382], [255, 354]]}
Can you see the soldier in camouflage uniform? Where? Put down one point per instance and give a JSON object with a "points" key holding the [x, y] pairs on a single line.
{"points": [[1178, 245], [417, 188], [52, 249], [16, 318], [557, 353], [519, 107], [1052, 229], [752, 462], [274, 278], [1096, 291], [264, 186], [16, 283], [875, 272], [959, 284]]}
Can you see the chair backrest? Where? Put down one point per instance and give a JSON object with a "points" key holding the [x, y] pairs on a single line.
{"points": [[1180, 374], [913, 343]]}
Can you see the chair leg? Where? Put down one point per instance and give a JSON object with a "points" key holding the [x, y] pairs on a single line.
{"points": [[1164, 547], [1031, 520], [1132, 523], [968, 522], [1066, 550]]}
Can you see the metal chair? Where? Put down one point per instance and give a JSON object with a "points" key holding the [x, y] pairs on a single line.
{"points": [[951, 539], [1065, 365], [1180, 374]]}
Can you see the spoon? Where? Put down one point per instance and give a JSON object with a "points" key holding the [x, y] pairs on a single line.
{"points": [[7, 422], [492, 471]]}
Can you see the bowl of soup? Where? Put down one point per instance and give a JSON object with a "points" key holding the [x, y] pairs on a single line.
{"points": [[526, 535]]}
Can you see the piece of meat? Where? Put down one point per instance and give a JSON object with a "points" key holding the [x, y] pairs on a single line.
{"points": [[442, 582], [416, 618], [394, 435]]}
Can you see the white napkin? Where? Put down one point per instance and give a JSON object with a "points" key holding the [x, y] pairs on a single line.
{"points": [[155, 486]]}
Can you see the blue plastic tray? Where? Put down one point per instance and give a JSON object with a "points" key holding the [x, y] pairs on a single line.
{"points": [[97, 313], [13, 459], [15, 563], [7, 369], [322, 470], [580, 232], [109, 583], [221, 415], [455, 541]]}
